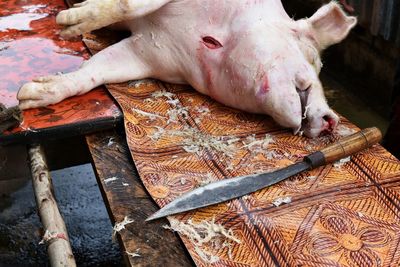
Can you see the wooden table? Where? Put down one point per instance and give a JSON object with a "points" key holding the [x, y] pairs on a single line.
{"points": [[127, 197]]}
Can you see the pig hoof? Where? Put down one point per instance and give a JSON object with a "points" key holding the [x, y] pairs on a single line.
{"points": [[43, 91], [87, 16]]}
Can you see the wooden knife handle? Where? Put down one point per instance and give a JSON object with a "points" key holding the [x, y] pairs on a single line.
{"points": [[345, 147]]}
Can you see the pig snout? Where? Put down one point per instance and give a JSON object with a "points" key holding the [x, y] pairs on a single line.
{"points": [[318, 119], [319, 122]]}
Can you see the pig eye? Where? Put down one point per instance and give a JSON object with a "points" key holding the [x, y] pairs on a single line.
{"points": [[211, 42]]}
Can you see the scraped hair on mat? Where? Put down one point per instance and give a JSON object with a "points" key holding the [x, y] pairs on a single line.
{"points": [[205, 233]]}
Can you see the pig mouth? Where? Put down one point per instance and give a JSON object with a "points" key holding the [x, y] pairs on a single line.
{"points": [[303, 94]]}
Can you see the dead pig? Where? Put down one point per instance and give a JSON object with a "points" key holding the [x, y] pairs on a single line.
{"points": [[247, 54]]}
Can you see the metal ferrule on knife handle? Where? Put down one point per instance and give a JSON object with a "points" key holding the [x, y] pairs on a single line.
{"points": [[345, 147]]}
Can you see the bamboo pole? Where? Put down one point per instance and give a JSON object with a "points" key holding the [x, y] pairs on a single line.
{"points": [[56, 236]]}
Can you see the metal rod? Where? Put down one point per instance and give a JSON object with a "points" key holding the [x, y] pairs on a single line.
{"points": [[56, 236]]}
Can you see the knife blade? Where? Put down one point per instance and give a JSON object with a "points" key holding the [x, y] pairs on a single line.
{"points": [[228, 189]]}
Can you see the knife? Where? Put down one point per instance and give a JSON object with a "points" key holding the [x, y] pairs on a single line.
{"points": [[228, 189]]}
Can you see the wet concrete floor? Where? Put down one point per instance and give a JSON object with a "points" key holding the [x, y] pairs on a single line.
{"points": [[83, 209], [85, 215]]}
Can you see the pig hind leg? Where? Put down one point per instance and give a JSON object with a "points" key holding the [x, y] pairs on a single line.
{"points": [[95, 14], [117, 63]]}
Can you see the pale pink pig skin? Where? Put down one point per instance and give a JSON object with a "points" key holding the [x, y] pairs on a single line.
{"points": [[245, 54]]}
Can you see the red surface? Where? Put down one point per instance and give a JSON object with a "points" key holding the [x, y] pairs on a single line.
{"points": [[30, 47]]}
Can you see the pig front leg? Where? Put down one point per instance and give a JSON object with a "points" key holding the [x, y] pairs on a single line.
{"points": [[95, 14], [117, 63]]}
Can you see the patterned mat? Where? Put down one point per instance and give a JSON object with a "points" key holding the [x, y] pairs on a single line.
{"points": [[345, 214]]}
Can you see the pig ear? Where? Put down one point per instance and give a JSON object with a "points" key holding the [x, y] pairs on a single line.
{"points": [[330, 25]]}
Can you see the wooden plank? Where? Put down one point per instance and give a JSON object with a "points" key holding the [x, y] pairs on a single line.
{"points": [[126, 197]]}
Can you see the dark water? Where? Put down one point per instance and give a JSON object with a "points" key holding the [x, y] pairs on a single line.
{"points": [[85, 215]]}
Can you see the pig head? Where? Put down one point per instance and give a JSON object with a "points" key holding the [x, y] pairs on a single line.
{"points": [[246, 54], [272, 67]]}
